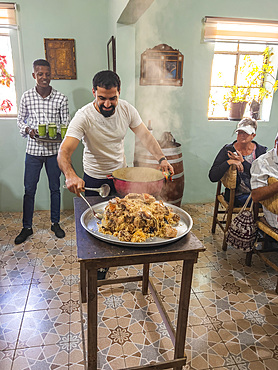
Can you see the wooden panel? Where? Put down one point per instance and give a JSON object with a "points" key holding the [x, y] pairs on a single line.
{"points": [[60, 53]]}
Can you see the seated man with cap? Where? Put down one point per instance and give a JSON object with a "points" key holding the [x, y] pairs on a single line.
{"points": [[241, 152]]}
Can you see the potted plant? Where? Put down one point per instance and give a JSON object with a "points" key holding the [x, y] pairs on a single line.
{"points": [[5, 79], [262, 78], [235, 102]]}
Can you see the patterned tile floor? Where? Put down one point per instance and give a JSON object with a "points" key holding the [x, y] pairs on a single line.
{"points": [[233, 317]]}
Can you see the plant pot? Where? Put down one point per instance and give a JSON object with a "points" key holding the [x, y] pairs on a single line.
{"points": [[255, 109], [236, 110]]}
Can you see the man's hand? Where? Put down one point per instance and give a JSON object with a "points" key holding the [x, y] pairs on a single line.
{"points": [[31, 132], [166, 167], [75, 184]]}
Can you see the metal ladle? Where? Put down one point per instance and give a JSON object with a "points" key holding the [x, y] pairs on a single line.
{"points": [[103, 191], [96, 214]]}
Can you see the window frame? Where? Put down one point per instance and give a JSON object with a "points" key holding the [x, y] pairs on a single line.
{"points": [[2, 113], [239, 53], [19, 75]]}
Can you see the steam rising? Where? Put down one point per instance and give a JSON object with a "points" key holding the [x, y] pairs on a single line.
{"points": [[158, 104]]}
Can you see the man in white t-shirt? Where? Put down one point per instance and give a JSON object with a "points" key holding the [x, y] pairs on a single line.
{"points": [[102, 126], [262, 168]]}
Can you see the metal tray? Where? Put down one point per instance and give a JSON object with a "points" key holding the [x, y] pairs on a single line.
{"points": [[90, 223], [47, 140]]}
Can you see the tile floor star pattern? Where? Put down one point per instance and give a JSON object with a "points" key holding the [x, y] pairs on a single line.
{"points": [[233, 316]]}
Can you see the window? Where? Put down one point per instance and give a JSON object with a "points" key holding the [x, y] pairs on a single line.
{"points": [[6, 92], [240, 50], [8, 27], [230, 67]]}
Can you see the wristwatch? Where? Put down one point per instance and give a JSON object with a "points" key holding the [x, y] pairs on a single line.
{"points": [[162, 159]]}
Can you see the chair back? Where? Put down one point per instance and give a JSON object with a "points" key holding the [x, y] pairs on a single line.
{"points": [[229, 179]]}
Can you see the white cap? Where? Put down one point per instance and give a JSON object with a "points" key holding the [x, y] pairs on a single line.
{"points": [[248, 129]]}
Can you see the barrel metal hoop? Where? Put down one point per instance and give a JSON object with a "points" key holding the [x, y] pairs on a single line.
{"points": [[177, 160], [154, 161], [177, 176]]}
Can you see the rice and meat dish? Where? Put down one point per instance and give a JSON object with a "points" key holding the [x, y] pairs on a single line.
{"points": [[137, 217]]}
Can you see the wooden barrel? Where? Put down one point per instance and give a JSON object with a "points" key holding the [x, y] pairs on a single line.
{"points": [[172, 191]]}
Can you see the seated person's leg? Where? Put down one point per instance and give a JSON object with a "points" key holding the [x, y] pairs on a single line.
{"points": [[239, 199]]}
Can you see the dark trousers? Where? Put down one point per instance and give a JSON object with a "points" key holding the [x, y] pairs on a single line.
{"points": [[91, 182], [33, 166], [239, 199]]}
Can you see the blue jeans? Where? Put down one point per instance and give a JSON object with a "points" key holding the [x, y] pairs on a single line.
{"points": [[239, 199], [33, 166], [91, 182]]}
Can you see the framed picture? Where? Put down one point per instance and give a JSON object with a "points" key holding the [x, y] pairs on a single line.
{"points": [[161, 65], [111, 54], [60, 53]]}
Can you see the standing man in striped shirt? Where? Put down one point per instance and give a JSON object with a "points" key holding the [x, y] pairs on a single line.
{"points": [[41, 104]]}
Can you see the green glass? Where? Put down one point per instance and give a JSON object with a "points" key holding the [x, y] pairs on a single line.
{"points": [[42, 130], [52, 131], [63, 131]]}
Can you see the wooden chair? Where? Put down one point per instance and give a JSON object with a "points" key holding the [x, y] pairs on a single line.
{"points": [[267, 254], [229, 181]]}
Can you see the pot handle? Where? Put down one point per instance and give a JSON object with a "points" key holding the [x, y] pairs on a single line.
{"points": [[110, 177]]}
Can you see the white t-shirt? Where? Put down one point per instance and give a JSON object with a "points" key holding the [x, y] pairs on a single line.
{"points": [[103, 138]]}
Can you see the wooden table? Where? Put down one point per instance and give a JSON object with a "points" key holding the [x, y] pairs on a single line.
{"points": [[94, 253]]}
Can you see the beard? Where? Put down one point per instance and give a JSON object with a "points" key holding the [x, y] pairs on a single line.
{"points": [[106, 113]]}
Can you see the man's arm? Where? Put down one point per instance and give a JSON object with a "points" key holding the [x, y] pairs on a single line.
{"points": [[264, 192], [74, 183], [150, 143], [259, 181], [22, 118]]}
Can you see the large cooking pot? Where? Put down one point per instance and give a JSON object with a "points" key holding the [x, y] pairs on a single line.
{"points": [[138, 180]]}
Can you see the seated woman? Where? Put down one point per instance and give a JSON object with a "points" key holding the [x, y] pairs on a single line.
{"points": [[242, 153]]}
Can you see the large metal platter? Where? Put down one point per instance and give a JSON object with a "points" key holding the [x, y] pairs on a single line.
{"points": [[90, 223]]}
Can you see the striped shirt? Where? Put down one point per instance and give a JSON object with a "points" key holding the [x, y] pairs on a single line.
{"points": [[262, 168], [34, 109]]}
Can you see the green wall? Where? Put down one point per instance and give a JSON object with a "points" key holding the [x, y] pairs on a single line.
{"points": [[88, 23], [181, 110]]}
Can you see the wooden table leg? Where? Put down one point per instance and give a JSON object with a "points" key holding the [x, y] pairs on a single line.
{"points": [[83, 283], [187, 272], [145, 283], [92, 319]]}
